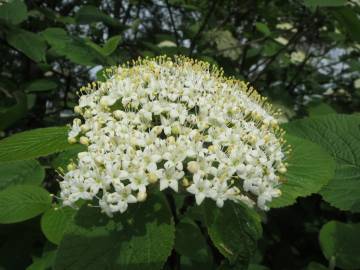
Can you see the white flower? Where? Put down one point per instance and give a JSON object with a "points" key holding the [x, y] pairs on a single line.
{"points": [[357, 83], [170, 178], [200, 188], [284, 26], [297, 57], [166, 43], [160, 122], [282, 40], [75, 129]]}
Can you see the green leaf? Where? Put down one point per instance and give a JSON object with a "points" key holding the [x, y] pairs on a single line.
{"points": [[89, 14], [257, 267], [340, 244], [54, 222], [64, 158], [325, 3], [12, 114], [320, 109], [316, 266], [234, 229], [34, 143], [263, 28], [141, 238], [28, 172], [41, 85], [310, 168], [190, 243], [75, 49], [111, 45], [22, 202], [80, 53], [45, 262], [56, 37], [339, 135], [13, 12], [349, 21], [32, 45]]}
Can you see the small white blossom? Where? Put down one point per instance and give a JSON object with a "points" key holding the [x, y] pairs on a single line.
{"points": [[297, 57]]}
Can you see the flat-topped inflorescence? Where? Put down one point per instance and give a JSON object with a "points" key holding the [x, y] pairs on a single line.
{"points": [[177, 124]]}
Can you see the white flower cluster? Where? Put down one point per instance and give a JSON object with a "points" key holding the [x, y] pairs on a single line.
{"points": [[176, 124]]}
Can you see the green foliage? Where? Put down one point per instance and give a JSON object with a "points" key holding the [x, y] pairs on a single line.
{"points": [[90, 14], [13, 113], [340, 244], [22, 172], [310, 168], [234, 230], [54, 223], [41, 85], [325, 3], [65, 157], [191, 244], [141, 238], [43, 263], [349, 21], [32, 45], [13, 12], [34, 143], [320, 109], [339, 135], [22, 202]]}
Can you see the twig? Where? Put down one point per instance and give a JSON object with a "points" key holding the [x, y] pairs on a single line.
{"points": [[176, 34], [202, 27]]}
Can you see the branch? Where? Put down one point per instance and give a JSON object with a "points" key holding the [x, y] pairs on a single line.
{"points": [[177, 38], [270, 60], [202, 27]]}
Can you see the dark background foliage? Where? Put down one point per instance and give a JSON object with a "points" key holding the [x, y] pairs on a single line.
{"points": [[302, 54]]}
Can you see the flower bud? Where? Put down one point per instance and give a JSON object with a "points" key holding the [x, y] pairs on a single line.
{"points": [[71, 140], [84, 140], [152, 178], [141, 196], [193, 166], [77, 109]]}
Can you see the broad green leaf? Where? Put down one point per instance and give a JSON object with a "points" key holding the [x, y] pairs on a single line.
{"points": [[22, 202], [340, 243], [64, 158], [310, 168], [12, 114], [34, 143], [141, 238], [90, 14], [56, 37], [111, 45], [74, 49], [340, 136], [13, 12], [320, 109], [325, 3], [41, 85], [54, 222], [234, 229], [349, 21], [263, 28], [28, 172], [191, 243], [45, 262], [31, 44], [257, 267], [316, 266], [80, 53]]}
